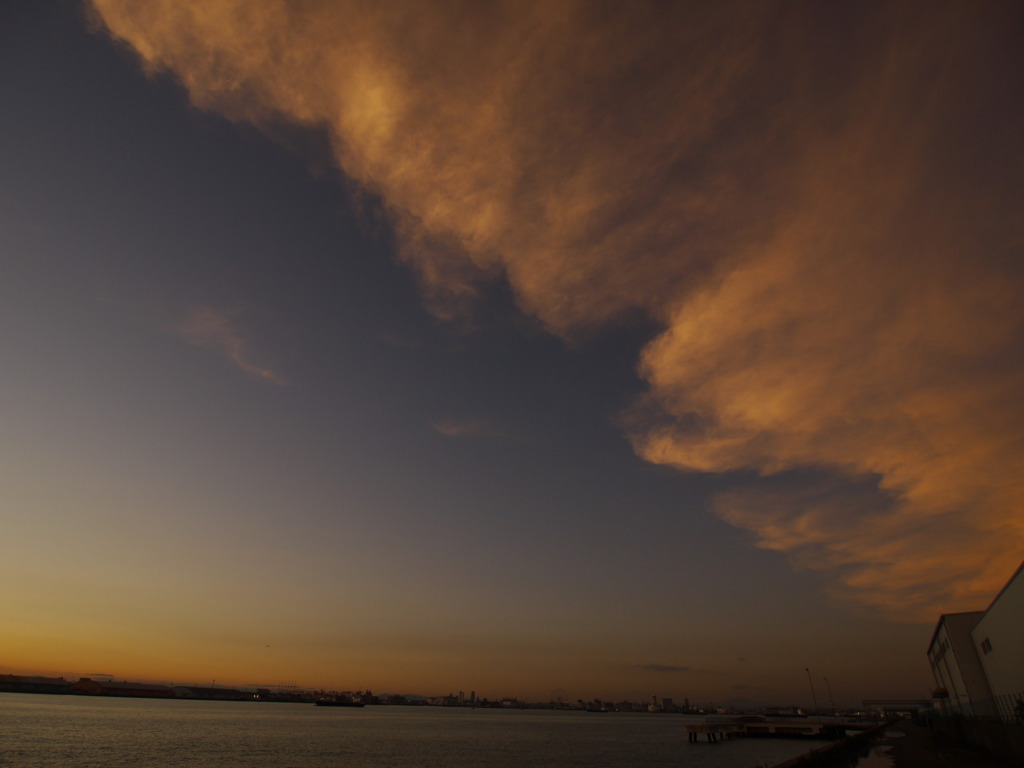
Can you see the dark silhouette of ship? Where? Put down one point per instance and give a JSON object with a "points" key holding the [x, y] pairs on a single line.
{"points": [[338, 701]]}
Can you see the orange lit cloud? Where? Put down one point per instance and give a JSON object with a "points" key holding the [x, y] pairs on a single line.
{"points": [[819, 203], [216, 330]]}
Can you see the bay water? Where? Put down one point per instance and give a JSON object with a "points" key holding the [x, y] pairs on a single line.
{"points": [[42, 731]]}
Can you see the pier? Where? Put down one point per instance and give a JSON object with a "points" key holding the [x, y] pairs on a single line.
{"points": [[716, 730]]}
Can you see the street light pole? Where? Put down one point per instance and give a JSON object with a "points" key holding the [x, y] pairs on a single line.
{"points": [[814, 696]]}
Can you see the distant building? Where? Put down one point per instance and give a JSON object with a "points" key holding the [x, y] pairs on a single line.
{"points": [[33, 684], [209, 694], [90, 687], [444, 701], [977, 658]]}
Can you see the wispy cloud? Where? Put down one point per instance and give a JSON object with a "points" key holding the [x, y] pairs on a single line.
{"points": [[217, 330], [455, 428], [819, 205], [662, 668], [396, 340]]}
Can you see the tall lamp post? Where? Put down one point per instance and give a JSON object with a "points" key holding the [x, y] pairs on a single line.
{"points": [[814, 696]]}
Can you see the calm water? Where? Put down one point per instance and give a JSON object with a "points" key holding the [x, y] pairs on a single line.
{"points": [[40, 730]]}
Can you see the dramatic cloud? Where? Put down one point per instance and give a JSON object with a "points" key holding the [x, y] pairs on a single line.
{"points": [[820, 203], [216, 330]]}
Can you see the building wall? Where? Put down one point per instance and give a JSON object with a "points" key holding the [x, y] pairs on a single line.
{"points": [[999, 639], [955, 662], [945, 679]]}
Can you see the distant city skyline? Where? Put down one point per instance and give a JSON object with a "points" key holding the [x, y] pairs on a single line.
{"points": [[613, 348], [72, 683]]}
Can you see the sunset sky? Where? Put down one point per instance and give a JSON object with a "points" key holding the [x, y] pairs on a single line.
{"points": [[619, 349]]}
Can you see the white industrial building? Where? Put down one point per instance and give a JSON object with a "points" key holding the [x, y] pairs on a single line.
{"points": [[977, 658], [999, 638]]}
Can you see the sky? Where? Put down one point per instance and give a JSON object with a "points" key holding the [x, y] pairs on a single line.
{"points": [[606, 350]]}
